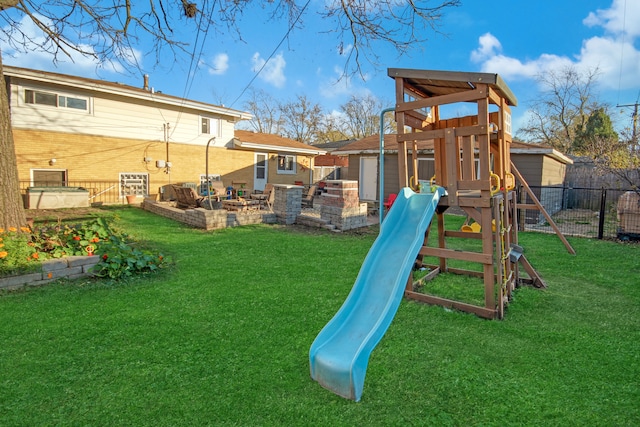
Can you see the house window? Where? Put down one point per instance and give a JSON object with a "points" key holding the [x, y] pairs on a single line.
{"points": [[209, 126], [71, 102], [206, 125], [132, 183], [55, 100], [286, 163]]}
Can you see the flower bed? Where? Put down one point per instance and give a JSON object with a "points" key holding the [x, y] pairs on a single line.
{"points": [[87, 248]]}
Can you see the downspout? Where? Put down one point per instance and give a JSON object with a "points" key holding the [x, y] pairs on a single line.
{"points": [[381, 173], [207, 172]]}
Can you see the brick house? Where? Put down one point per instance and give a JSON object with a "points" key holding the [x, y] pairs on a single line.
{"points": [[76, 131]]}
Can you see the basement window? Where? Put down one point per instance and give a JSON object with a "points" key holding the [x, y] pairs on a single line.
{"points": [[132, 183]]}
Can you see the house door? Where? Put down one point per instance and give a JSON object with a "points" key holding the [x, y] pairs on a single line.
{"points": [[260, 171], [368, 178]]}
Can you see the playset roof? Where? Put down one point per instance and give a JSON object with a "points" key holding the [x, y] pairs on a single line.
{"points": [[429, 83]]}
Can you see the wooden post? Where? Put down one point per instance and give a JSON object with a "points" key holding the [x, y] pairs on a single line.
{"points": [[403, 180], [543, 210]]}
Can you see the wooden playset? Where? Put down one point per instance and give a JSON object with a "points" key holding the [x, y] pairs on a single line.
{"points": [[472, 162]]}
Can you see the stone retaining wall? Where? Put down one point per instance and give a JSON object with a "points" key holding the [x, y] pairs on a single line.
{"points": [[209, 219], [340, 209], [73, 267]]}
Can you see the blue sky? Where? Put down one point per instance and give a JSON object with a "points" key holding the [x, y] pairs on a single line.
{"points": [[516, 39]]}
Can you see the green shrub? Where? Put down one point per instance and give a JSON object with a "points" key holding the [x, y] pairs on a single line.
{"points": [[23, 250], [122, 259], [17, 252]]}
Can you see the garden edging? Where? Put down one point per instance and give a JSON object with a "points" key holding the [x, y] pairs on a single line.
{"points": [[73, 267]]}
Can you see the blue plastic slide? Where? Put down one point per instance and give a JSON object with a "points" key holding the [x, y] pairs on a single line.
{"points": [[339, 355]]}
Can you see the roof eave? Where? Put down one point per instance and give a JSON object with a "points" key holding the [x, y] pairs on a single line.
{"points": [[124, 90], [267, 147], [551, 152]]}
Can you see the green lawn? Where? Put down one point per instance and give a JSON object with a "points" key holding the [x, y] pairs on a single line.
{"points": [[222, 338]]}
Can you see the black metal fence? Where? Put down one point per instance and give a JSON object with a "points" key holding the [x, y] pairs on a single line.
{"points": [[601, 213], [100, 192]]}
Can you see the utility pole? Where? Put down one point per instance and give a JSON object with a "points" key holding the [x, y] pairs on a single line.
{"points": [[634, 130]]}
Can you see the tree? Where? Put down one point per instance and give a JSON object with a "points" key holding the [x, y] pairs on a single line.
{"points": [[114, 27], [330, 129], [598, 135], [559, 116], [361, 116], [10, 198], [267, 116], [611, 154], [302, 119], [358, 118]]}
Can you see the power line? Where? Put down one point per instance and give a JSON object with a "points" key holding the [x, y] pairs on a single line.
{"points": [[291, 27], [624, 22]]}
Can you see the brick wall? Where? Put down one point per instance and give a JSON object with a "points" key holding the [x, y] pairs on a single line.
{"points": [[96, 158], [341, 205]]}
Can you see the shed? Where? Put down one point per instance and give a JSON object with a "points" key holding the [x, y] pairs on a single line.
{"points": [[539, 165]]}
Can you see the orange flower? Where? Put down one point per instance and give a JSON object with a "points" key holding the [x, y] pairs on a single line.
{"points": [[25, 229], [76, 237], [1, 230], [1, 244], [3, 254], [35, 255], [13, 229], [95, 240], [49, 275]]}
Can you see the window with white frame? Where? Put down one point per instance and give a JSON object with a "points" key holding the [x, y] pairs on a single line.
{"points": [[286, 163], [209, 126], [53, 99], [132, 183]]}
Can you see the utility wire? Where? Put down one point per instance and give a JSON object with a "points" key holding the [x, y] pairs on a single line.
{"points": [[291, 27], [624, 22]]}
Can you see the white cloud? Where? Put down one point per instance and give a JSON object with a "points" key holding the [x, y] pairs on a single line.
{"points": [[220, 64], [607, 53], [34, 51], [272, 71], [335, 85], [489, 55], [620, 18], [489, 47], [340, 84]]}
